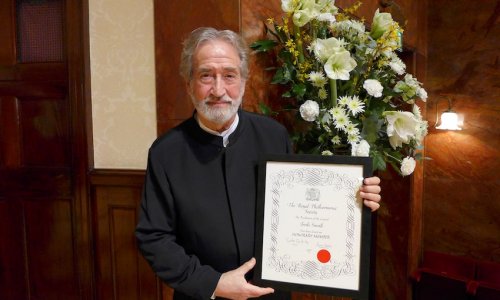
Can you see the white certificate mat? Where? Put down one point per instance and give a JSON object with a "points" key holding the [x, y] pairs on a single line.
{"points": [[312, 233]]}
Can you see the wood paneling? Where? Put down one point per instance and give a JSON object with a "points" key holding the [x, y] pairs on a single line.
{"points": [[121, 272], [41, 202], [461, 199], [174, 105], [13, 283]]}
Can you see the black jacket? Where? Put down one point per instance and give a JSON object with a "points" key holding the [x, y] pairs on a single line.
{"points": [[197, 216]]}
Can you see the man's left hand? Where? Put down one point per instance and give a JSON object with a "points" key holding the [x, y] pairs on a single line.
{"points": [[370, 192]]}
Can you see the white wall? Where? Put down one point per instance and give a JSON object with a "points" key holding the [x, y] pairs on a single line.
{"points": [[122, 82]]}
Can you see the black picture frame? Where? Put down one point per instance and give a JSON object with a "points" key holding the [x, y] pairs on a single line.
{"points": [[296, 220]]}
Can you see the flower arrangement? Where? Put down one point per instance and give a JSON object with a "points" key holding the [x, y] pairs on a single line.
{"points": [[345, 84]]}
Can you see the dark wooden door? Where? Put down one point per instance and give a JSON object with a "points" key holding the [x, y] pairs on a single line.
{"points": [[40, 254]]}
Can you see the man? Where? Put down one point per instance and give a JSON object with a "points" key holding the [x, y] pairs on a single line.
{"points": [[197, 217]]}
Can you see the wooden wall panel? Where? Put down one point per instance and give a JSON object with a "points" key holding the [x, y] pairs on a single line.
{"points": [[13, 283], [40, 200], [44, 123], [10, 152], [461, 199], [51, 262], [36, 243], [121, 272], [173, 21]]}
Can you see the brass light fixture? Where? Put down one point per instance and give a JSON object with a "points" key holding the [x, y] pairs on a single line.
{"points": [[449, 119]]}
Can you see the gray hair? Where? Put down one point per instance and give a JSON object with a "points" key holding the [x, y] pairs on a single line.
{"points": [[205, 34]]}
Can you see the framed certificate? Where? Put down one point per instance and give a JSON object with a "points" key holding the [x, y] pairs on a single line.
{"points": [[313, 232]]}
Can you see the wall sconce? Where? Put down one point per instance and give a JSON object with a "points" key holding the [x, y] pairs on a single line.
{"points": [[449, 118]]}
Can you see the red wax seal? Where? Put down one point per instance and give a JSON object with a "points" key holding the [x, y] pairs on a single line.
{"points": [[323, 256]]}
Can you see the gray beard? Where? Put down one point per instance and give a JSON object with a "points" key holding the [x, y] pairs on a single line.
{"points": [[218, 116]]}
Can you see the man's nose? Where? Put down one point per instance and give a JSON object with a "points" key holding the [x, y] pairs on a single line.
{"points": [[218, 88]]}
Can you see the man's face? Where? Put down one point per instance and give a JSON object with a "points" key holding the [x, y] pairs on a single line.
{"points": [[216, 86]]}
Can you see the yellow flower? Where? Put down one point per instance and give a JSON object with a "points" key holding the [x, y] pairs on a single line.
{"points": [[322, 94], [270, 21]]}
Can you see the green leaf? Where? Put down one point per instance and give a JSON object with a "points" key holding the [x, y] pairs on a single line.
{"points": [[378, 161], [263, 45], [266, 110], [299, 89], [287, 94], [278, 77], [371, 126]]}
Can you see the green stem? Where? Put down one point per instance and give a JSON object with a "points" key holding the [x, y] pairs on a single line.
{"points": [[333, 92], [298, 39], [395, 158]]}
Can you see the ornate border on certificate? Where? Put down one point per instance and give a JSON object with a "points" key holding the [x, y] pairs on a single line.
{"points": [[306, 240]]}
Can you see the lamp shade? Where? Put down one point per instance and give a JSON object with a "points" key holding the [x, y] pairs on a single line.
{"points": [[449, 121]]}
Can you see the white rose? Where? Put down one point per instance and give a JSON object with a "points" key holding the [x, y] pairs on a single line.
{"points": [[360, 149], [309, 110], [373, 87], [407, 165], [401, 127], [327, 153]]}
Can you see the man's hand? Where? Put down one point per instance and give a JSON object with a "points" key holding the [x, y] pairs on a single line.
{"points": [[233, 285], [370, 192]]}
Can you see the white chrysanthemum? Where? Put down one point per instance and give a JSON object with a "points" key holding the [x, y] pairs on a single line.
{"points": [[336, 140], [360, 149], [357, 26], [339, 65], [337, 112], [422, 94], [401, 127], [397, 65], [317, 79], [353, 138], [343, 100], [421, 130], [327, 153], [355, 105], [373, 87], [326, 17], [408, 165], [416, 112], [351, 129], [309, 110], [341, 122], [349, 28], [411, 81]]}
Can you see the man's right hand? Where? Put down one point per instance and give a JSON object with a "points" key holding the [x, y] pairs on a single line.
{"points": [[233, 285]]}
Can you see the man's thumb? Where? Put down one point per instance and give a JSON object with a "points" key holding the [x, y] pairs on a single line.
{"points": [[248, 265]]}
